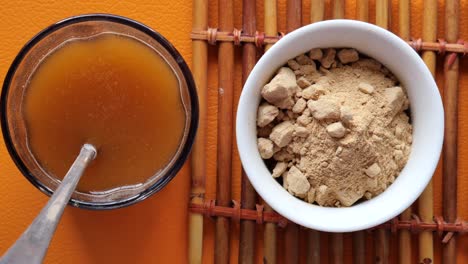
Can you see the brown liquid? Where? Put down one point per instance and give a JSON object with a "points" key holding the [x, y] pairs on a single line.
{"points": [[113, 92]]}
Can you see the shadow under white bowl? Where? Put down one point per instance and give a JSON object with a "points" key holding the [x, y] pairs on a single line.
{"points": [[426, 114]]}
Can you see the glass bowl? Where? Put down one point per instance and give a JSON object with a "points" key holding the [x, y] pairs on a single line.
{"points": [[24, 66]]}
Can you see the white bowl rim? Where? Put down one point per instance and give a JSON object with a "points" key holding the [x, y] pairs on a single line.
{"points": [[388, 204]]}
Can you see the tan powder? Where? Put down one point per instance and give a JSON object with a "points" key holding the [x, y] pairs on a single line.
{"points": [[345, 137]]}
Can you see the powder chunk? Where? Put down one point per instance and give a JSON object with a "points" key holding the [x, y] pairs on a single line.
{"points": [[299, 106], [306, 70], [287, 103], [373, 170], [370, 64], [281, 116], [265, 147], [297, 182], [265, 114], [279, 169], [303, 82], [310, 198], [395, 97], [336, 130], [279, 91], [304, 60], [366, 88], [313, 77], [304, 120], [293, 65], [323, 195], [283, 155], [347, 116], [313, 92], [282, 133], [338, 151], [348, 55], [290, 114], [348, 198], [301, 131], [315, 54], [324, 109], [328, 58]]}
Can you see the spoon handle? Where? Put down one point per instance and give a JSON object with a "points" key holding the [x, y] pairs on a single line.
{"points": [[32, 246]]}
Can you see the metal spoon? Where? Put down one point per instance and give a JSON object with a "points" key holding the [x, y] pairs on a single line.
{"points": [[32, 246]]}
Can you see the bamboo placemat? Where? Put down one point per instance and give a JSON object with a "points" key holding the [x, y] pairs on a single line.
{"points": [[283, 241]]}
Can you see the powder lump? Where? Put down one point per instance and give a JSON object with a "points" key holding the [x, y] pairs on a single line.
{"points": [[333, 127]]}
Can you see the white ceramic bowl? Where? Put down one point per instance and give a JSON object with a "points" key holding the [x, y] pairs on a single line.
{"points": [[426, 113]]}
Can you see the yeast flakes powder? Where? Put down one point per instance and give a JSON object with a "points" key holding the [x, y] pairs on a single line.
{"points": [[333, 127]]}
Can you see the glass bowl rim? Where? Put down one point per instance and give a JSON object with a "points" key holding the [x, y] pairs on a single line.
{"points": [[185, 151]]}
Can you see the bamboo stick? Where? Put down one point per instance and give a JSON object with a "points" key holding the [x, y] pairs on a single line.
{"points": [[225, 119], [272, 217], [389, 20], [335, 249], [317, 11], [313, 247], [291, 244], [362, 10], [429, 32], [381, 13], [248, 195], [269, 40], [382, 246], [270, 24], [269, 241], [405, 240], [404, 19], [382, 237], [359, 247], [405, 235], [359, 238], [294, 15], [269, 231], [450, 158], [338, 9], [199, 70], [291, 236], [425, 202]]}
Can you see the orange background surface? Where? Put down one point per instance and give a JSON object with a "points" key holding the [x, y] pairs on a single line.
{"points": [[155, 231]]}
